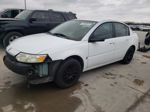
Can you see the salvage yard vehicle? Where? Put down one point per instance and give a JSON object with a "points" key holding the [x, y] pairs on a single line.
{"points": [[71, 48], [147, 39], [10, 13], [31, 22]]}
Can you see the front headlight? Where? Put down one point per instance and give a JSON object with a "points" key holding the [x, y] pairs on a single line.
{"points": [[30, 58]]}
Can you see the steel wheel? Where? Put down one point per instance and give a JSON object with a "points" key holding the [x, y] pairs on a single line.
{"points": [[68, 74], [12, 38]]}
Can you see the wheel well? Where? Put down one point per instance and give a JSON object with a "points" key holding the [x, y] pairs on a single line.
{"points": [[133, 46], [5, 34], [14, 31], [78, 58]]}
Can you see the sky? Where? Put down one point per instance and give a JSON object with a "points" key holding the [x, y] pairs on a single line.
{"points": [[120, 10]]}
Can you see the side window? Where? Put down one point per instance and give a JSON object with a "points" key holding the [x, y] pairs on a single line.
{"points": [[56, 17], [7, 14], [104, 31], [15, 13], [41, 17], [121, 30]]}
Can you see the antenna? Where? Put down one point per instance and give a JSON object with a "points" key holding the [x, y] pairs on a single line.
{"points": [[25, 4]]}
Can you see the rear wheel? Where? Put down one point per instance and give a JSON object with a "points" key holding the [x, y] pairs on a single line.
{"points": [[129, 56], [11, 36], [68, 73]]}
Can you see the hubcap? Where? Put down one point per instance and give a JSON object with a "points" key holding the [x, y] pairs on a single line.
{"points": [[12, 38]]}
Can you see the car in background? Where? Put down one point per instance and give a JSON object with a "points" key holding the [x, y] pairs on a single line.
{"points": [[69, 49], [147, 38], [10, 13], [144, 28], [31, 22], [135, 27]]}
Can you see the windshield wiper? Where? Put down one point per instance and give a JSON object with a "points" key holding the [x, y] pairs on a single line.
{"points": [[60, 35]]}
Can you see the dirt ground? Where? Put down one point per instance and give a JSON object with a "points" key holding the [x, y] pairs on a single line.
{"points": [[112, 88]]}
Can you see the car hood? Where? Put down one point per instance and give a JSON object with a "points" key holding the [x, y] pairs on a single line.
{"points": [[4, 21], [38, 43]]}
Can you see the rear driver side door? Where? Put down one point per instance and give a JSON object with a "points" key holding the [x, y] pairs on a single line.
{"points": [[101, 52], [122, 39]]}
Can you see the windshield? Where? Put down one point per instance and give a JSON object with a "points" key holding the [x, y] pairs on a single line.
{"points": [[24, 14], [74, 30]]}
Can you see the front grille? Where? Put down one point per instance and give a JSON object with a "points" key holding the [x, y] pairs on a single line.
{"points": [[12, 58]]}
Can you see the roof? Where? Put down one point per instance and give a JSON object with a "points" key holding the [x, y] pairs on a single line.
{"points": [[50, 10], [103, 21], [14, 9]]}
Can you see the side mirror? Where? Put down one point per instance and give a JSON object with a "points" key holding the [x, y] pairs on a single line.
{"points": [[32, 20], [95, 39], [92, 39]]}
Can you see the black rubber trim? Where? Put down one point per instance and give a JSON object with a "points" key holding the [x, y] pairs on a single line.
{"points": [[16, 67], [53, 68]]}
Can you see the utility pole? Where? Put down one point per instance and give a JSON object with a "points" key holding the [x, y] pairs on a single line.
{"points": [[25, 4]]}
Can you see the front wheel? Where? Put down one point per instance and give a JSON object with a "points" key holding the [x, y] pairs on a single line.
{"points": [[11, 36], [68, 73], [129, 56]]}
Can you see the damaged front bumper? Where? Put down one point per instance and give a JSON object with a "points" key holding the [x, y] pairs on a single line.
{"points": [[35, 73]]}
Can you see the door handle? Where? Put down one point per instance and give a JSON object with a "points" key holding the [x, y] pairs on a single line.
{"points": [[112, 43]]}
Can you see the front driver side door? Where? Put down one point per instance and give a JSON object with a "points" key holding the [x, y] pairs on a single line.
{"points": [[40, 24], [101, 52]]}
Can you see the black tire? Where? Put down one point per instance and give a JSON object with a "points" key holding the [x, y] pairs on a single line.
{"points": [[10, 37], [129, 56], [68, 73], [147, 40]]}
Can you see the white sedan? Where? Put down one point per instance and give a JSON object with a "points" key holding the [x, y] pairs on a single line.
{"points": [[71, 48]]}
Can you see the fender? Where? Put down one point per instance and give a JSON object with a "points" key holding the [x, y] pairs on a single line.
{"points": [[80, 50], [135, 40], [66, 55], [18, 25], [16, 28], [53, 67]]}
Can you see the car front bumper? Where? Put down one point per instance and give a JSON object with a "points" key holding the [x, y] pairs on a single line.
{"points": [[35, 73], [17, 67]]}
